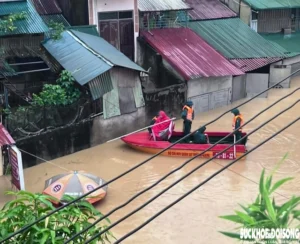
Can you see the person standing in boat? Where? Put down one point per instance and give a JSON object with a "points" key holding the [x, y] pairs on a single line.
{"points": [[200, 137], [238, 121], [188, 116], [152, 123], [162, 131]]}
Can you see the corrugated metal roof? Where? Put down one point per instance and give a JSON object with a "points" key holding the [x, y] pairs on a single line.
{"points": [[5, 137], [234, 39], [107, 51], [209, 9], [6, 69], [273, 4], [74, 57], [32, 24], [101, 85], [88, 29], [190, 55], [58, 18], [45, 7], [250, 64], [289, 42], [161, 5]]}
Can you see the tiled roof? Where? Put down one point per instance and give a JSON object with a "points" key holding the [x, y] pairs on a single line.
{"points": [[32, 24], [209, 9], [189, 54], [235, 40]]}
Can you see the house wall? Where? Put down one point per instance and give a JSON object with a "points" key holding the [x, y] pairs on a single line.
{"points": [[97, 6], [238, 87], [75, 11], [294, 62], [256, 83], [273, 21], [210, 93], [245, 13], [278, 73]]}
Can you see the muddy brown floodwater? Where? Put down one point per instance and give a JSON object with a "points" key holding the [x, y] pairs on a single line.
{"points": [[195, 219]]}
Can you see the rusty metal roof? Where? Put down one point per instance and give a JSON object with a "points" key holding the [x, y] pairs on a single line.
{"points": [[209, 9], [189, 54], [249, 64], [45, 7], [5, 137], [161, 5]]}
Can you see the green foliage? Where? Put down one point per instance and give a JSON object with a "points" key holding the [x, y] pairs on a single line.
{"points": [[57, 29], [63, 93], [57, 228], [264, 212], [7, 23]]}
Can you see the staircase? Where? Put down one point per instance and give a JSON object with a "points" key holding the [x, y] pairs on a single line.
{"points": [[13, 89]]}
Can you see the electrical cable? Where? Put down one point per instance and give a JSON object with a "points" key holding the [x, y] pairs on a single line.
{"points": [[176, 169], [138, 165], [188, 174], [199, 185]]}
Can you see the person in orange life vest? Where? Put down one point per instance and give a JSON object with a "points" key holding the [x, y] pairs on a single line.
{"points": [[161, 131], [152, 123], [238, 121], [187, 115]]}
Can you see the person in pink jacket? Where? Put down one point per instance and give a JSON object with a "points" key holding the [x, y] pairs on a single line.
{"points": [[162, 131]]}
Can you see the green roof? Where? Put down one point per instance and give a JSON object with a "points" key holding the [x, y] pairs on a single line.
{"points": [[289, 42], [273, 4], [234, 39], [32, 24], [58, 18], [88, 29]]}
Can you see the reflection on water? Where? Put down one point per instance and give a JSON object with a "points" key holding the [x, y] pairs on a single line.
{"points": [[195, 219]]}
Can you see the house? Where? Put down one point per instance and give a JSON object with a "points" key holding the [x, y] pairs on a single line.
{"points": [[247, 50], [207, 74], [268, 16], [50, 12], [107, 73], [20, 47]]}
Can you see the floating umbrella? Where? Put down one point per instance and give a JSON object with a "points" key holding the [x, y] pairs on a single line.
{"points": [[75, 184]]}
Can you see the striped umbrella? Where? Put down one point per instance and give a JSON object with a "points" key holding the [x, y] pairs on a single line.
{"points": [[75, 184]]}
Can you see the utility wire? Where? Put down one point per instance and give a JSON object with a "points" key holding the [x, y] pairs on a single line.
{"points": [[137, 166], [199, 185], [188, 174], [176, 169]]}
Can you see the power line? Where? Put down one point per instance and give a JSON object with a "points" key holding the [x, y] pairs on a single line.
{"points": [[199, 185], [176, 169], [138, 165], [188, 174]]}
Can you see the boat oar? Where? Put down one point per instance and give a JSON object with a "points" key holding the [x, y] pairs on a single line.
{"points": [[140, 130]]}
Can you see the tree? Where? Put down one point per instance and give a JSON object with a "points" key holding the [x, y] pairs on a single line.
{"points": [[264, 212], [57, 228], [7, 23]]}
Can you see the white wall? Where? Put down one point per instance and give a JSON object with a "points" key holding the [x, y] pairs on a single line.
{"points": [[278, 74], [205, 85], [112, 6]]}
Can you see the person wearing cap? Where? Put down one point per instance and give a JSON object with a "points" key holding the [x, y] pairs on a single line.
{"points": [[200, 137], [238, 121], [187, 115]]}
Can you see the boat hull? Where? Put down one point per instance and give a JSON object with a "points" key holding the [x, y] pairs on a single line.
{"points": [[141, 142]]}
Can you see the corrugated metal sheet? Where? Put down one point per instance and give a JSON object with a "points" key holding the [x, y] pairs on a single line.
{"points": [[83, 64], [45, 7], [209, 9], [111, 103], [59, 18], [273, 4], [88, 29], [6, 69], [32, 24], [291, 42], [253, 63], [100, 85], [126, 98], [5, 137], [272, 21], [234, 39], [189, 54], [107, 51], [161, 5]]}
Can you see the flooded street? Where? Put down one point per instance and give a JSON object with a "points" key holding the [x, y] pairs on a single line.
{"points": [[195, 219]]}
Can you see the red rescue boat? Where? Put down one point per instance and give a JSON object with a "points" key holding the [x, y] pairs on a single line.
{"points": [[141, 141]]}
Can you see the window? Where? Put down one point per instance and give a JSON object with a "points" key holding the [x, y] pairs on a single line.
{"points": [[115, 15], [254, 15]]}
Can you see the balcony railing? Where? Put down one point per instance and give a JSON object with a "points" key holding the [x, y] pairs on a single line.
{"points": [[159, 20]]}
